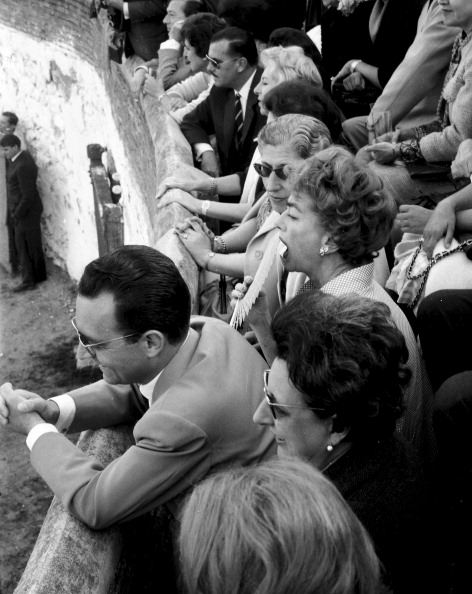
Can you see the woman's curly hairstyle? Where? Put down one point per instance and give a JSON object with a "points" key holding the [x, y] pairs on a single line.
{"points": [[350, 200], [304, 134], [347, 358], [290, 63]]}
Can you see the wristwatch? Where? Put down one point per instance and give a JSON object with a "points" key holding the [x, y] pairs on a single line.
{"points": [[205, 207]]}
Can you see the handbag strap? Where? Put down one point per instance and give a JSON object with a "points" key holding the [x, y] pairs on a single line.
{"points": [[434, 260]]}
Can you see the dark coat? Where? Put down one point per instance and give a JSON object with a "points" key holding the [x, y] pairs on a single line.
{"points": [[23, 200], [216, 115], [385, 485], [145, 30], [347, 37]]}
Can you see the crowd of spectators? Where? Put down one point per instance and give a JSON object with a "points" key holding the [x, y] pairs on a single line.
{"points": [[342, 260]]}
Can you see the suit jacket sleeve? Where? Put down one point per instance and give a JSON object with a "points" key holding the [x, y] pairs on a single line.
{"points": [[198, 125], [443, 146], [142, 10], [103, 405], [425, 62], [27, 174], [169, 70], [396, 33], [171, 454]]}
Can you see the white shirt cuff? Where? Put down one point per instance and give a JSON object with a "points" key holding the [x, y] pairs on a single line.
{"points": [[66, 411], [37, 431], [125, 10], [200, 148], [170, 44]]}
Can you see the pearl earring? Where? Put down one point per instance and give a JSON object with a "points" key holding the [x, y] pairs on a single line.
{"points": [[329, 447]]}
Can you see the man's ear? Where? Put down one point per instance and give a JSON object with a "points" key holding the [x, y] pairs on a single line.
{"points": [[155, 342], [242, 64]]}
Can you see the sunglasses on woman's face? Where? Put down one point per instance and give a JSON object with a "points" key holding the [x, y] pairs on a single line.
{"points": [[265, 170]]}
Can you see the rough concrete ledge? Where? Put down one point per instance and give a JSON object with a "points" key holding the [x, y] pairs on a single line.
{"points": [[68, 556]]}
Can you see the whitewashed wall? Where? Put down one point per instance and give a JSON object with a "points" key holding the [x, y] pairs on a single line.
{"points": [[63, 107]]}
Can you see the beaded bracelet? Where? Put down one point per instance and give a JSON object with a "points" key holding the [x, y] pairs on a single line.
{"points": [[219, 245]]}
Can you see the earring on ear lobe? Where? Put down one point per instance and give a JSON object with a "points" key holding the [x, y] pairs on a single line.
{"points": [[323, 250], [330, 447]]}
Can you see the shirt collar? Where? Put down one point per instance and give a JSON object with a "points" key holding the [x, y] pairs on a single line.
{"points": [[355, 280], [244, 90]]}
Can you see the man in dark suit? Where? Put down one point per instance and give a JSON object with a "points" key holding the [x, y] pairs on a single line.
{"points": [[189, 387], [232, 60], [24, 212], [142, 21]]}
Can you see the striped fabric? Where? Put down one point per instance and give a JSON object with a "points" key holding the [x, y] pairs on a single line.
{"points": [[238, 121]]}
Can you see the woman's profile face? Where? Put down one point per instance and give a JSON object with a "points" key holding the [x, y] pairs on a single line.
{"points": [[270, 78], [303, 235], [190, 55], [277, 157], [298, 431]]}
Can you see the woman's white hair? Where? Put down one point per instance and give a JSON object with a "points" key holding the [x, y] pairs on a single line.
{"points": [[288, 63], [279, 527]]}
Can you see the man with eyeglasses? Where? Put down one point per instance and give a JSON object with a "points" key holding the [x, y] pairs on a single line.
{"points": [[189, 386], [231, 111]]}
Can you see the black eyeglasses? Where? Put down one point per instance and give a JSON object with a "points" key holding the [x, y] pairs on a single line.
{"points": [[91, 346], [218, 63], [265, 170], [270, 399]]}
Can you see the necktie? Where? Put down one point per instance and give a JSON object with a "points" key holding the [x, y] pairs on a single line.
{"points": [[238, 120]]}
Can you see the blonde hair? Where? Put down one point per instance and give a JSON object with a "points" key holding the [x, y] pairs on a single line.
{"points": [[279, 527], [290, 63], [305, 135]]}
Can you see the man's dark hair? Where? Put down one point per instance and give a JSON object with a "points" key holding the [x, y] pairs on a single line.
{"points": [[11, 117], [199, 29], [347, 358], [240, 43], [148, 290], [192, 7], [255, 16], [300, 96], [10, 140], [286, 36]]}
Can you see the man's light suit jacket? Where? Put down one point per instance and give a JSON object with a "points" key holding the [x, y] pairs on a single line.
{"points": [[200, 419]]}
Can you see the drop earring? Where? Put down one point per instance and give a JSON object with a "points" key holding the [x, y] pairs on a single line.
{"points": [[323, 250]]}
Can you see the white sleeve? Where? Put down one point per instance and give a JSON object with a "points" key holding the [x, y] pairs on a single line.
{"points": [[37, 431], [200, 148], [67, 409]]}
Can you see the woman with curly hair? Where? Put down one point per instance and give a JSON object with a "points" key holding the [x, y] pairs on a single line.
{"points": [[279, 527], [338, 217], [333, 395]]}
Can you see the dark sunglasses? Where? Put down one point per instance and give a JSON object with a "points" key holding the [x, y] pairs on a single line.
{"points": [[266, 170], [270, 399]]}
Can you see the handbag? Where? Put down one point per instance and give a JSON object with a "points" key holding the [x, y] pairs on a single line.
{"points": [[423, 171], [412, 268]]}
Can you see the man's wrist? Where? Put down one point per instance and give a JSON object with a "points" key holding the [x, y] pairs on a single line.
{"points": [[36, 431]]}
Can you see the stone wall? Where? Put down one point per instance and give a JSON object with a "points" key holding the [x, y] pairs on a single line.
{"points": [[54, 73]]}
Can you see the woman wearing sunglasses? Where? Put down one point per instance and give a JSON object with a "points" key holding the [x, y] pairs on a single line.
{"points": [[333, 397], [337, 219], [283, 145], [280, 64]]}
